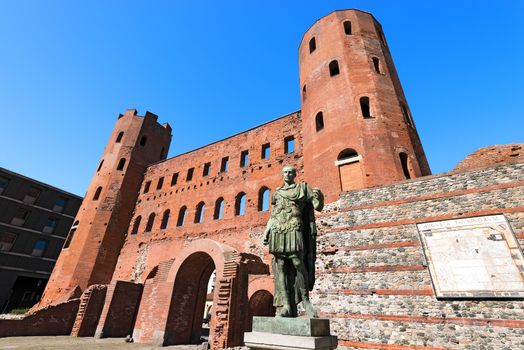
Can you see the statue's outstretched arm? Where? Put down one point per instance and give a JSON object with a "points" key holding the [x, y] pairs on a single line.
{"points": [[317, 198]]}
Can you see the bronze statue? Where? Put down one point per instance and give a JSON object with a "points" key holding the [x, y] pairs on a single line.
{"points": [[291, 235]]}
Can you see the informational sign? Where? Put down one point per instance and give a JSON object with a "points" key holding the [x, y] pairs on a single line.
{"points": [[476, 257]]}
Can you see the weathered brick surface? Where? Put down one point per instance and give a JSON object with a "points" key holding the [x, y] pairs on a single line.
{"points": [[493, 155], [91, 304]]}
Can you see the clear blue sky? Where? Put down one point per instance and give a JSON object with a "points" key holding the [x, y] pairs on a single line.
{"points": [[214, 68]]}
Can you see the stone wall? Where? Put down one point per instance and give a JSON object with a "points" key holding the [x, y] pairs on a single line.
{"points": [[492, 155], [373, 279]]}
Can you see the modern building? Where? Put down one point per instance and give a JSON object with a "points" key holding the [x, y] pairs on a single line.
{"points": [[34, 221]]}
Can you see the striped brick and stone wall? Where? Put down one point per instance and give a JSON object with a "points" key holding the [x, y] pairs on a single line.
{"points": [[373, 278]]}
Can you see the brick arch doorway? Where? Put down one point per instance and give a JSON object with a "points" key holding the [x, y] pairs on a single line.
{"points": [[189, 276], [260, 299]]}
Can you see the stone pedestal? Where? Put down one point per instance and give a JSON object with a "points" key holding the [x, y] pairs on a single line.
{"points": [[290, 333]]}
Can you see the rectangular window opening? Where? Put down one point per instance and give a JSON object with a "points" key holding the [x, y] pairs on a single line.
{"points": [[40, 247], [224, 165], [160, 183], [265, 151], [207, 169], [3, 184], [147, 186], [289, 144], [189, 175], [244, 158], [174, 179], [7, 240]]}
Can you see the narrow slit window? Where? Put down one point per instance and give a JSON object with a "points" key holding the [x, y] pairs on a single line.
{"points": [[136, 225], [121, 164], [174, 179], [312, 45], [162, 153], [143, 141], [160, 183], [347, 28], [319, 121], [266, 151], [365, 107], [263, 199], [406, 115], [189, 175], [207, 169], [199, 213], [240, 204], [219, 209], [376, 64], [289, 144], [224, 164], [405, 166], [119, 137], [304, 93], [181, 216], [333, 68], [100, 165], [97, 193], [71, 234], [165, 219], [244, 158], [147, 186], [150, 222]]}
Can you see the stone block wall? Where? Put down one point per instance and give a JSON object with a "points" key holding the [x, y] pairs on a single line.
{"points": [[373, 278]]}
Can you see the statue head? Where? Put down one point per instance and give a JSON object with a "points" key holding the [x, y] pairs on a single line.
{"points": [[289, 173]]}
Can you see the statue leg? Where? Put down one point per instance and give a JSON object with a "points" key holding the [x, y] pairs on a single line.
{"points": [[302, 286], [280, 286]]}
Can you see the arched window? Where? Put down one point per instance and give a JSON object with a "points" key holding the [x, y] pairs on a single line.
{"points": [[347, 28], [219, 209], [71, 234], [121, 164], [136, 225], [97, 193], [376, 64], [312, 45], [181, 216], [365, 108], [240, 204], [119, 137], [263, 199], [150, 222], [199, 213], [406, 115], [143, 141], [165, 219], [100, 165], [162, 151], [304, 92], [347, 154], [319, 121], [333, 68], [405, 166]]}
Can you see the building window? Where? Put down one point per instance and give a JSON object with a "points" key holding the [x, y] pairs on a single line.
{"points": [[244, 158], [147, 186], [219, 209], [365, 108], [97, 193], [174, 179], [50, 226], [100, 165], [143, 141], [20, 217], [319, 121], [71, 235], [266, 150], [405, 166], [60, 205], [40, 247], [31, 195], [160, 183], [121, 164], [7, 240], [181, 216], [263, 199], [165, 219], [406, 115], [376, 64], [119, 137], [150, 222], [3, 184], [224, 165], [207, 169], [199, 213], [162, 153], [312, 45], [333, 68], [347, 28], [136, 225], [304, 93], [189, 175], [289, 144], [240, 204]]}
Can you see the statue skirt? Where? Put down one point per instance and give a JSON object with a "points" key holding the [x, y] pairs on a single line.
{"points": [[286, 241]]}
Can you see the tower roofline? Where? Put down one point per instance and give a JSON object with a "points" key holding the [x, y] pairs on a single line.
{"points": [[329, 14]]}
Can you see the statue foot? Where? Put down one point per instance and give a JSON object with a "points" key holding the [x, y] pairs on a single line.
{"points": [[284, 312], [310, 310]]}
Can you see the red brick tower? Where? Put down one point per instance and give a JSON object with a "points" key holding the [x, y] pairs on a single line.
{"points": [[357, 128], [92, 247]]}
